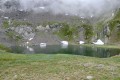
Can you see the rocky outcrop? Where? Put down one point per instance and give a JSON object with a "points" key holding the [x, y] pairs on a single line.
{"points": [[106, 33], [25, 31]]}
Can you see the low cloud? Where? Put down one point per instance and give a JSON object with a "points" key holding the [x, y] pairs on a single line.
{"points": [[69, 7]]}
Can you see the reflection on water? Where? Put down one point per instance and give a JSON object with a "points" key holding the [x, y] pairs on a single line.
{"points": [[71, 49]]}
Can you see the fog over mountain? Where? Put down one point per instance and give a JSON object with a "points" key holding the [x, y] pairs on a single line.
{"points": [[68, 7]]}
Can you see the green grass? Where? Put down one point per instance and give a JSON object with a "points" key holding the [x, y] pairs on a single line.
{"points": [[17, 23], [57, 67], [2, 47], [101, 46]]}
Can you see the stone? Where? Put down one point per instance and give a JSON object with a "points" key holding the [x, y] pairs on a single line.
{"points": [[100, 66], [89, 77], [25, 31], [40, 28], [47, 27], [12, 28], [15, 77], [87, 64]]}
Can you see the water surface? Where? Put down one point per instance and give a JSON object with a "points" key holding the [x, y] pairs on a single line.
{"points": [[71, 49]]}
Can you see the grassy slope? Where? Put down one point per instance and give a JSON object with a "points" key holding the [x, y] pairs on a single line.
{"points": [[114, 27], [57, 67], [102, 46]]}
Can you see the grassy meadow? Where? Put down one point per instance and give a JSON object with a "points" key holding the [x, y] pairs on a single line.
{"points": [[57, 67]]}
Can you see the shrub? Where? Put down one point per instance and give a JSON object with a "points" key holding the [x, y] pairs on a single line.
{"points": [[67, 31], [5, 24], [12, 35], [88, 33], [18, 23], [2, 47]]}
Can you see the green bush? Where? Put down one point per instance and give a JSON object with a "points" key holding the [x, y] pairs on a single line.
{"points": [[113, 24], [5, 24], [88, 33], [2, 47], [115, 21], [12, 35], [18, 23], [67, 31]]}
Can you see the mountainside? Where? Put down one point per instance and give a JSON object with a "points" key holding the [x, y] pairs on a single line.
{"points": [[19, 27]]}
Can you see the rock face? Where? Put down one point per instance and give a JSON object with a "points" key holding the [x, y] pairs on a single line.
{"points": [[106, 33], [89, 77], [25, 31], [40, 28], [27, 35], [81, 33]]}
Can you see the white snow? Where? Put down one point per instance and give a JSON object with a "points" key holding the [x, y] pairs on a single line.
{"points": [[81, 42], [21, 10], [82, 17], [99, 42], [43, 45], [64, 44], [30, 39], [92, 16], [113, 14], [27, 42], [42, 7], [66, 14], [6, 17]]}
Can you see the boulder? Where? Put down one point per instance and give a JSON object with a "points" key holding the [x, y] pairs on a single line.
{"points": [[40, 28], [25, 31], [89, 77]]}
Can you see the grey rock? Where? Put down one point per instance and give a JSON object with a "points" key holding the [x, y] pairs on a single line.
{"points": [[100, 66], [25, 31], [87, 64], [89, 77], [40, 28], [47, 27]]}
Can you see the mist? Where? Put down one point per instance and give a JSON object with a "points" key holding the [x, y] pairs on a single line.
{"points": [[68, 7]]}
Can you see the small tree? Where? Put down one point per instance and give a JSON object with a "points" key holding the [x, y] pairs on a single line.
{"points": [[88, 33]]}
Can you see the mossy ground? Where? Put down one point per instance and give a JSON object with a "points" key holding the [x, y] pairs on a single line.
{"points": [[57, 67]]}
